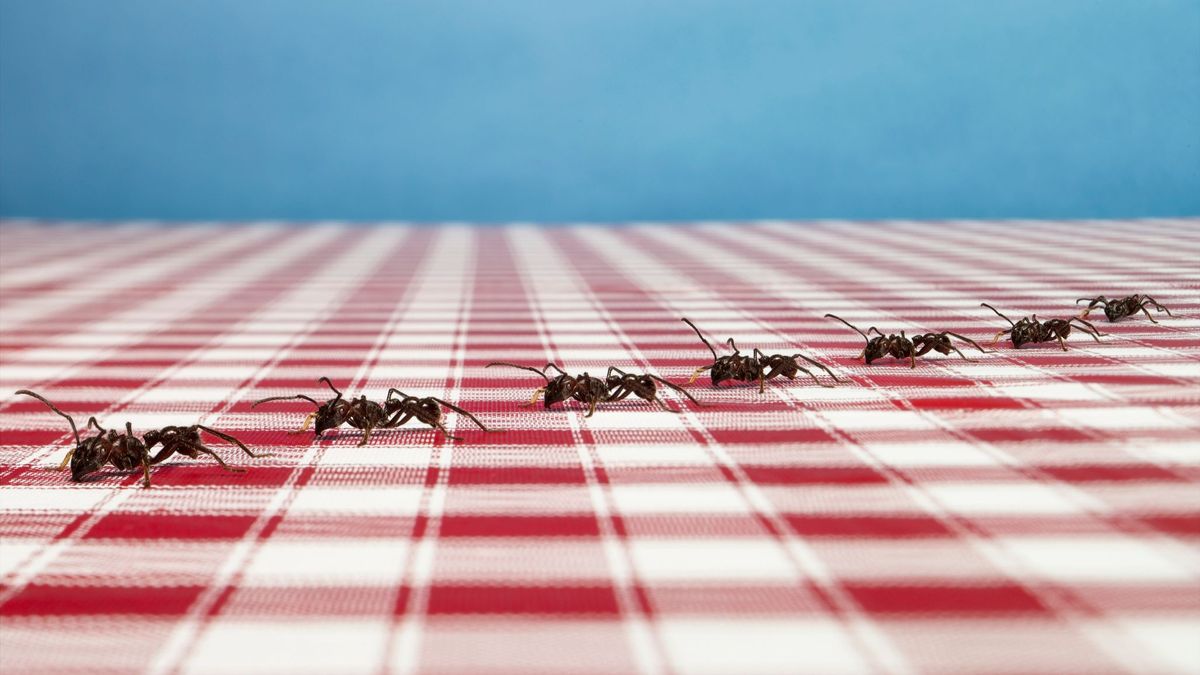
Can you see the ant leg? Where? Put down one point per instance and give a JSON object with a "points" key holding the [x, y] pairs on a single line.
{"points": [[66, 459], [678, 389], [1061, 343], [592, 407], [619, 394], [662, 405], [912, 359], [1147, 313], [536, 393], [968, 340], [862, 353], [1099, 300], [146, 471], [961, 354], [761, 383], [1090, 330], [163, 454], [231, 469], [814, 377], [611, 370], [307, 422], [442, 428], [464, 413], [822, 366], [230, 439], [1157, 306], [696, 373], [998, 336], [366, 436]]}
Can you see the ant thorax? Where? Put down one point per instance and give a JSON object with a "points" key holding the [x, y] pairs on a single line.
{"points": [[588, 389]]}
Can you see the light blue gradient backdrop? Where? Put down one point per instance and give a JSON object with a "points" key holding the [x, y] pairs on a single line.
{"points": [[556, 111]]}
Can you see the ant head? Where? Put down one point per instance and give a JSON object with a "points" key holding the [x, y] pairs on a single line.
{"points": [[559, 389], [88, 458], [1113, 311], [152, 437], [326, 418], [724, 368], [877, 347]]}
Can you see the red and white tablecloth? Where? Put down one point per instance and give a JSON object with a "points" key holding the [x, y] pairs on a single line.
{"points": [[1029, 511]]}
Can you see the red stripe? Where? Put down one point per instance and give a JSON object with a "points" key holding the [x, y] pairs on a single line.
{"points": [[43, 600], [554, 600]]}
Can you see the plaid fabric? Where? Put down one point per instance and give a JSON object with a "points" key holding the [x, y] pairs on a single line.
{"points": [[1027, 511]]}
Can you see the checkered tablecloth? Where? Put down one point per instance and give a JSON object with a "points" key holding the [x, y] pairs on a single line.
{"points": [[1028, 511]]}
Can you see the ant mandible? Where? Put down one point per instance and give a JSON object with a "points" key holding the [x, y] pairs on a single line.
{"points": [[1030, 330], [901, 347], [367, 415], [761, 367], [127, 452], [1116, 310]]}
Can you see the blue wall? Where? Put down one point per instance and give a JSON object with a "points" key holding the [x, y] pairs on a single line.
{"points": [[600, 111]]}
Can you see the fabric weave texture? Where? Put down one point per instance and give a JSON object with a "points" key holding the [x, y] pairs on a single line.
{"points": [[1030, 510]]}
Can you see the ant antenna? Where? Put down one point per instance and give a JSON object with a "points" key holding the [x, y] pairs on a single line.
{"points": [[701, 335], [286, 398], [733, 346], [55, 409], [984, 304], [834, 316], [330, 384], [513, 365]]}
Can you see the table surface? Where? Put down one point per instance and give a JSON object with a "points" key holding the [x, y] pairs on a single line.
{"points": [[1030, 510]]}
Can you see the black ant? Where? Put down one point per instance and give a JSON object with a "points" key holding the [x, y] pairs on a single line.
{"points": [[1030, 330], [761, 367], [592, 391], [1116, 310], [621, 384], [362, 413], [901, 347], [127, 452]]}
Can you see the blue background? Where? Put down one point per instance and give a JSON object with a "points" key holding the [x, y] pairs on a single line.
{"points": [[600, 111]]}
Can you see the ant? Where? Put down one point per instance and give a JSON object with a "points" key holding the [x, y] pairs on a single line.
{"points": [[1030, 330], [901, 347], [362, 413], [761, 367], [1116, 310], [591, 391], [127, 452], [621, 384]]}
